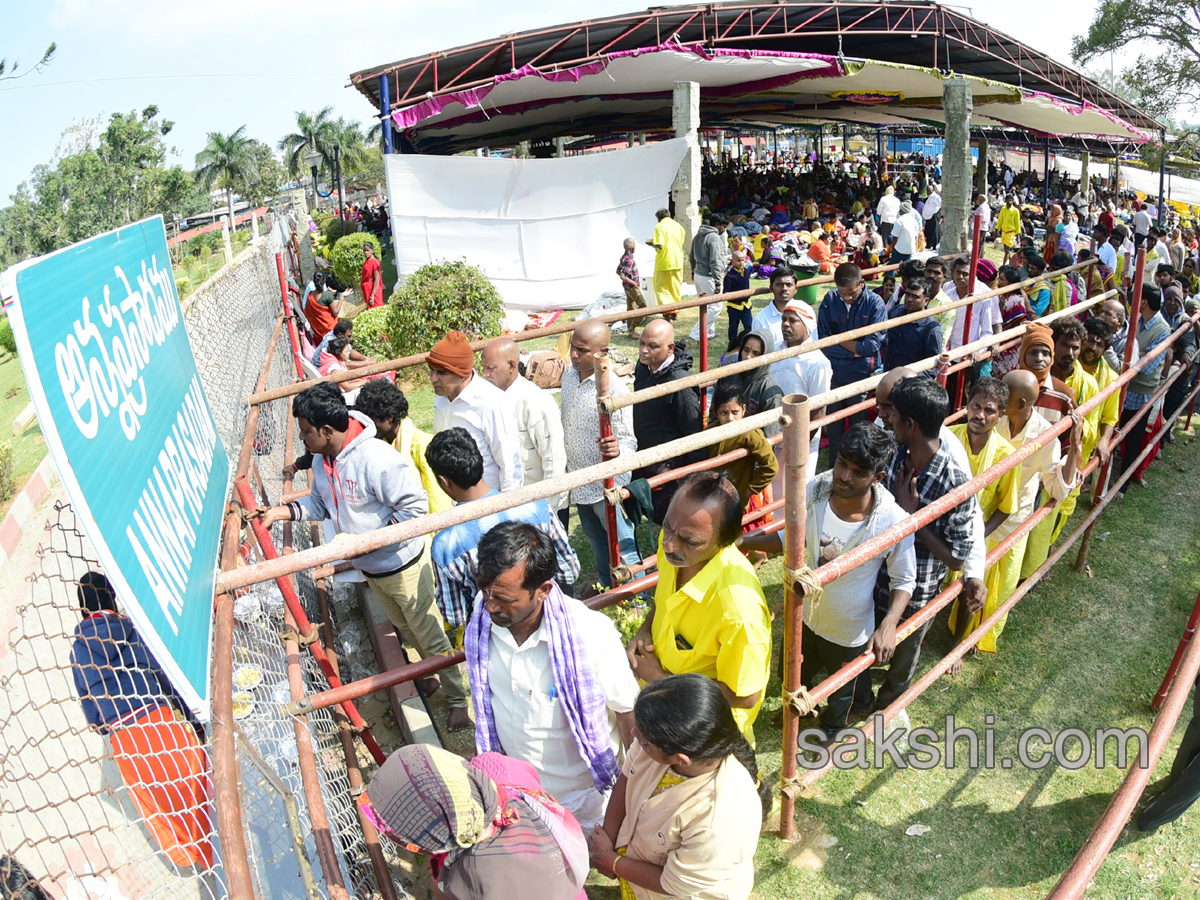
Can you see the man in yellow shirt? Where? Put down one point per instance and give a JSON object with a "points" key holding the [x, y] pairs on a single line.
{"points": [[1009, 224], [709, 614], [1098, 338], [999, 500], [668, 240], [1069, 335]]}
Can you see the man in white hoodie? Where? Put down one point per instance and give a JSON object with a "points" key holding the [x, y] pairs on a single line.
{"points": [[363, 485]]}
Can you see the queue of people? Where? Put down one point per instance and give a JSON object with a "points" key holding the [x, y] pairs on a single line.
{"points": [[636, 757]]}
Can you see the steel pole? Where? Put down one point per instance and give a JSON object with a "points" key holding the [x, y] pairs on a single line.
{"points": [[795, 454], [385, 112]]}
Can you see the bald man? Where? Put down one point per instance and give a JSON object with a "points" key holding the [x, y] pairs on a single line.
{"points": [[661, 360], [1045, 475], [1113, 311], [581, 428], [539, 422]]}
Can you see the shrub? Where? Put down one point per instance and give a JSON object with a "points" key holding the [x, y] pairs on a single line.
{"points": [[370, 333], [331, 230], [348, 256], [183, 286], [437, 298], [7, 339], [8, 481]]}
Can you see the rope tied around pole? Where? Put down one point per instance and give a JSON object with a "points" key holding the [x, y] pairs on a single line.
{"points": [[808, 582], [802, 702]]}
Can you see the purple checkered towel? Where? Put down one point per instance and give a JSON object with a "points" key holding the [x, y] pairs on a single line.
{"points": [[583, 700]]}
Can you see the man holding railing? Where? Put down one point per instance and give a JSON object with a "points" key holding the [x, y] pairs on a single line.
{"points": [[923, 471]]}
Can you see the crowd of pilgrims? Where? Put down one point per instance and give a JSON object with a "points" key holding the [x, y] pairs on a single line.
{"points": [[635, 757]]}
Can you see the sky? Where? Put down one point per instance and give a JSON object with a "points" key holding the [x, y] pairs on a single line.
{"points": [[215, 65]]}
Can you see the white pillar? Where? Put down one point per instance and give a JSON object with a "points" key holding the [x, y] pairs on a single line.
{"points": [[1084, 159], [255, 236], [560, 147], [642, 139], [956, 165], [685, 120], [225, 241]]}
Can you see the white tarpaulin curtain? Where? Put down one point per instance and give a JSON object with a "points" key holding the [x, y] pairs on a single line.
{"points": [[547, 232]]}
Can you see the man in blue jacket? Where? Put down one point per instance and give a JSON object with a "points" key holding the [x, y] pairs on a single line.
{"points": [[850, 305]]}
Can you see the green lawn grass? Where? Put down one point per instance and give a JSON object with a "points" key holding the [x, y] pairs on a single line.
{"points": [[29, 446]]}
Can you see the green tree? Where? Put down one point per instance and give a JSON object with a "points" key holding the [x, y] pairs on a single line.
{"points": [[314, 131], [123, 179], [224, 161], [264, 177], [1165, 76]]}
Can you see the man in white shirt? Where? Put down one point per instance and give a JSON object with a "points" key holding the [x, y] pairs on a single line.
{"points": [[539, 422], [770, 317], [809, 374], [1141, 226], [985, 316], [888, 208], [466, 400], [581, 433], [932, 214], [550, 680], [907, 228], [983, 209], [1107, 252]]}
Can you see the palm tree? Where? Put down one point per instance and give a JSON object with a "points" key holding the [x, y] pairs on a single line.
{"points": [[352, 145], [313, 132], [225, 159]]}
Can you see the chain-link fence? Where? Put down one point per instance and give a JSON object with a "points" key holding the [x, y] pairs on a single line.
{"points": [[88, 814]]}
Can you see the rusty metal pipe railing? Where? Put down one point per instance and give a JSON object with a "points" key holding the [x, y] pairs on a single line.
{"points": [[795, 479], [292, 602], [361, 544], [696, 380], [1189, 631], [310, 780], [417, 359], [383, 875], [226, 772], [1106, 831], [293, 334]]}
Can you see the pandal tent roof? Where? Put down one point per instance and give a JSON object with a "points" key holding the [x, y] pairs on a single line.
{"points": [[764, 64]]}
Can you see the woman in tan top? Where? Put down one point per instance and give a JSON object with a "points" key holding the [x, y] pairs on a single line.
{"points": [[684, 817]]}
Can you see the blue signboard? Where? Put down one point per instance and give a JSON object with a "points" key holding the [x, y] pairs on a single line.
{"points": [[102, 343]]}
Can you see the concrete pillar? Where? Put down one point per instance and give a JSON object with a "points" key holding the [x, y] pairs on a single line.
{"points": [[630, 138], [956, 165], [255, 237], [225, 241], [642, 139], [560, 145], [981, 173], [1084, 159], [685, 120]]}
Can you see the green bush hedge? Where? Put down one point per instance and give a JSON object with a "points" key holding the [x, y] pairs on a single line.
{"points": [[370, 333], [348, 256], [437, 298], [8, 480], [7, 339]]}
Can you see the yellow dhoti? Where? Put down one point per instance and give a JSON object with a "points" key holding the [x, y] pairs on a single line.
{"points": [[1001, 580], [1037, 547], [668, 285]]}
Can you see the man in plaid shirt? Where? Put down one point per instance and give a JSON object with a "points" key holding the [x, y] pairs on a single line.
{"points": [[923, 471], [458, 466], [627, 271]]}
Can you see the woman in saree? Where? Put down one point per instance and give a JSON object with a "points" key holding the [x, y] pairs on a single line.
{"points": [[487, 826]]}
